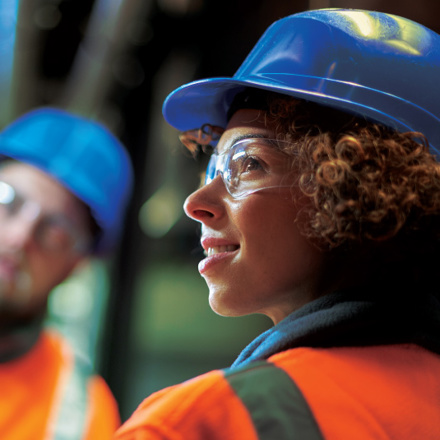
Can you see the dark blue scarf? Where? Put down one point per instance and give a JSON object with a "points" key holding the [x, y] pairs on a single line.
{"points": [[351, 318]]}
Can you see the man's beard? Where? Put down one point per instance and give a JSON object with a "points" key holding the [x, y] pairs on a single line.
{"points": [[20, 325], [15, 292]]}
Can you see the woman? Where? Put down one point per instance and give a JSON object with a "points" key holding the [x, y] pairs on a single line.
{"points": [[324, 218]]}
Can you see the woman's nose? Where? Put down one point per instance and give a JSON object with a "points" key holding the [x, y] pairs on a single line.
{"points": [[205, 204]]}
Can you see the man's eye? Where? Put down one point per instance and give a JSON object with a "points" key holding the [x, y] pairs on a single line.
{"points": [[56, 237]]}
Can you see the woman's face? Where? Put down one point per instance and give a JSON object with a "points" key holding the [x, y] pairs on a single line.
{"points": [[258, 261]]}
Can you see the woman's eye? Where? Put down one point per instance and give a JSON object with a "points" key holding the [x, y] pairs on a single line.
{"points": [[251, 163]]}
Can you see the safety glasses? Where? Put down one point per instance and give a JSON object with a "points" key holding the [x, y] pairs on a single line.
{"points": [[251, 165], [53, 232]]}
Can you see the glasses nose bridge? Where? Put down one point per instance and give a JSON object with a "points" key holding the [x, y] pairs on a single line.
{"points": [[31, 211], [21, 220], [22, 229], [215, 167], [218, 166], [221, 170], [28, 211]]}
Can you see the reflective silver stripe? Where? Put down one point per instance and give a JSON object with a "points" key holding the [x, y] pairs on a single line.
{"points": [[275, 403], [70, 418]]}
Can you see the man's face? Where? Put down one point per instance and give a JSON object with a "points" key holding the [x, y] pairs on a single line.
{"points": [[36, 235]]}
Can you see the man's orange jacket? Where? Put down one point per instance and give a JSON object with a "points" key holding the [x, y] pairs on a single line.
{"points": [[45, 394]]}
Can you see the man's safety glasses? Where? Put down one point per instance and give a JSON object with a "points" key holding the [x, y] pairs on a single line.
{"points": [[53, 232], [251, 165]]}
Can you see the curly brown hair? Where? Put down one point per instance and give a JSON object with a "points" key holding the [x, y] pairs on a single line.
{"points": [[368, 184]]}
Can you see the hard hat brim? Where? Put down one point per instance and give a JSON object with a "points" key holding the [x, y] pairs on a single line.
{"points": [[208, 101]]}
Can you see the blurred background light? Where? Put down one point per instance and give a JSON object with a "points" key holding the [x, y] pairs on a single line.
{"points": [[160, 212], [47, 17]]}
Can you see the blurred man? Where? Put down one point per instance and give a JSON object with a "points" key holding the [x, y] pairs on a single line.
{"points": [[64, 185]]}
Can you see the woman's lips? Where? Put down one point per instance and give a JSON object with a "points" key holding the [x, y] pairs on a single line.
{"points": [[216, 251], [210, 261]]}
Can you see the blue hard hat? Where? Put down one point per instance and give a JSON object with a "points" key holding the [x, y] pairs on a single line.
{"points": [[81, 154], [378, 65]]}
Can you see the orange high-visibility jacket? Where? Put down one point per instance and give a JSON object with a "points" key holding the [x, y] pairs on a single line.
{"points": [[376, 393], [45, 395], [355, 364]]}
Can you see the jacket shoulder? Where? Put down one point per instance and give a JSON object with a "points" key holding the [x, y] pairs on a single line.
{"points": [[275, 403]]}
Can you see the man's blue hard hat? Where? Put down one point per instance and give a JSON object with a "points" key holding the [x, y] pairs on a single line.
{"points": [[381, 66], [81, 154]]}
